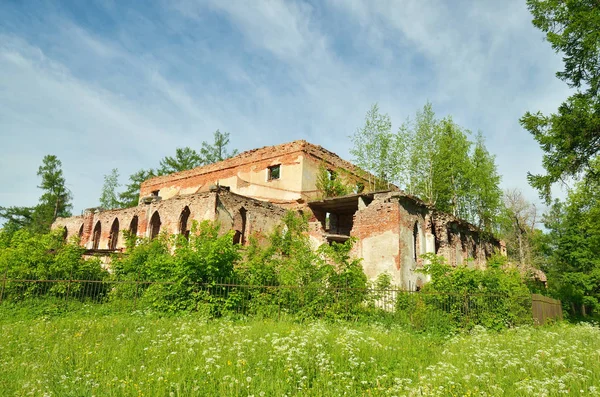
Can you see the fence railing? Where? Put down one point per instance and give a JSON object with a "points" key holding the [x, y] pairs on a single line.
{"points": [[223, 297]]}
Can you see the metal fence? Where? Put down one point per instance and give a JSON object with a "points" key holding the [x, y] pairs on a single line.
{"points": [[224, 297]]}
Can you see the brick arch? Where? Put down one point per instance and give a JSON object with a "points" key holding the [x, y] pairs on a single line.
{"points": [[240, 226], [113, 238], [133, 225], [154, 225], [80, 233], [184, 224], [96, 235]]}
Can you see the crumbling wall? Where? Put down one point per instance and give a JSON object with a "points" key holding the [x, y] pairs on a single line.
{"points": [[220, 206], [377, 228], [245, 174]]}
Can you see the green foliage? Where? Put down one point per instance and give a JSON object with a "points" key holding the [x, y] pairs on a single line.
{"points": [[109, 198], [375, 149], [181, 266], [570, 137], [310, 283], [54, 202], [494, 297], [330, 184], [131, 196], [573, 248], [434, 160], [218, 150], [30, 256], [185, 159]]}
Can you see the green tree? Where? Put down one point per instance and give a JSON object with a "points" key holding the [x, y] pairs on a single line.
{"points": [[518, 230], [109, 198], [574, 247], [451, 170], [375, 149], [421, 143], [131, 196], [218, 150], [185, 159], [55, 200], [571, 137], [485, 194], [330, 184]]}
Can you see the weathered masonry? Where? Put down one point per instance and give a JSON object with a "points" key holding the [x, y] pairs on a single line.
{"points": [[251, 192]]}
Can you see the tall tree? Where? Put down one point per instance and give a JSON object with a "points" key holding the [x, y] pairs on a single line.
{"points": [[574, 239], [520, 219], [185, 159], [54, 202], [56, 198], [422, 145], [109, 198], [451, 169], [571, 137], [131, 196], [218, 150], [375, 149], [485, 194]]}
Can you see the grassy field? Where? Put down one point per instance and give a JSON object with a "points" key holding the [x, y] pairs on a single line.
{"points": [[143, 355]]}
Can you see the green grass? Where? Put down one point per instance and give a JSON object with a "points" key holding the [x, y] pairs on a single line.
{"points": [[88, 353]]}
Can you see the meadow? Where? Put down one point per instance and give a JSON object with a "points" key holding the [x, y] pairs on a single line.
{"points": [[141, 354]]}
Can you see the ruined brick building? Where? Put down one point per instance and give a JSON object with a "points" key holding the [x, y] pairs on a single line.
{"points": [[251, 192]]}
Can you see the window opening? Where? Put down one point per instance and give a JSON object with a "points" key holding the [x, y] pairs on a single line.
{"points": [[415, 236], [65, 233], [331, 175], [133, 226], [80, 231], [114, 235], [274, 172], [240, 226], [96, 236], [183, 222], [154, 225], [155, 193]]}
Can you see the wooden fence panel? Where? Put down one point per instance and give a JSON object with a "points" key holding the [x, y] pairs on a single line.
{"points": [[544, 309]]}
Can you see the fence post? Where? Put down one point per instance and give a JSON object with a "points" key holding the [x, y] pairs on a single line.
{"points": [[466, 308], [137, 287], [69, 287], [3, 285]]}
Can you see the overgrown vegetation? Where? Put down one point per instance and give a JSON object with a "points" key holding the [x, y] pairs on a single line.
{"points": [[125, 355], [282, 275], [433, 159]]}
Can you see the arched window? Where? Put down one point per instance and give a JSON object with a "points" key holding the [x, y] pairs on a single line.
{"points": [[436, 240], [80, 234], [240, 227], [133, 226], [114, 235], [183, 222], [96, 236], [154, 225], [415, 237]]}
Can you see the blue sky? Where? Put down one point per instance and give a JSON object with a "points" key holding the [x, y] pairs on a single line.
{"points": [[116, 84]]}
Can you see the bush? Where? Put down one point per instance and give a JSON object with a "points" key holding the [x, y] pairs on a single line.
{"points": [[173, 272], [32, 257], [494, 297]]}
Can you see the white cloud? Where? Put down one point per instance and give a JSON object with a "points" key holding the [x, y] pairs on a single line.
{"points": [[282, 70]]}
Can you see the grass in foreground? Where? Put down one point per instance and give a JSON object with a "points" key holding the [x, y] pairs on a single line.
{"points": [[135, 355]]}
